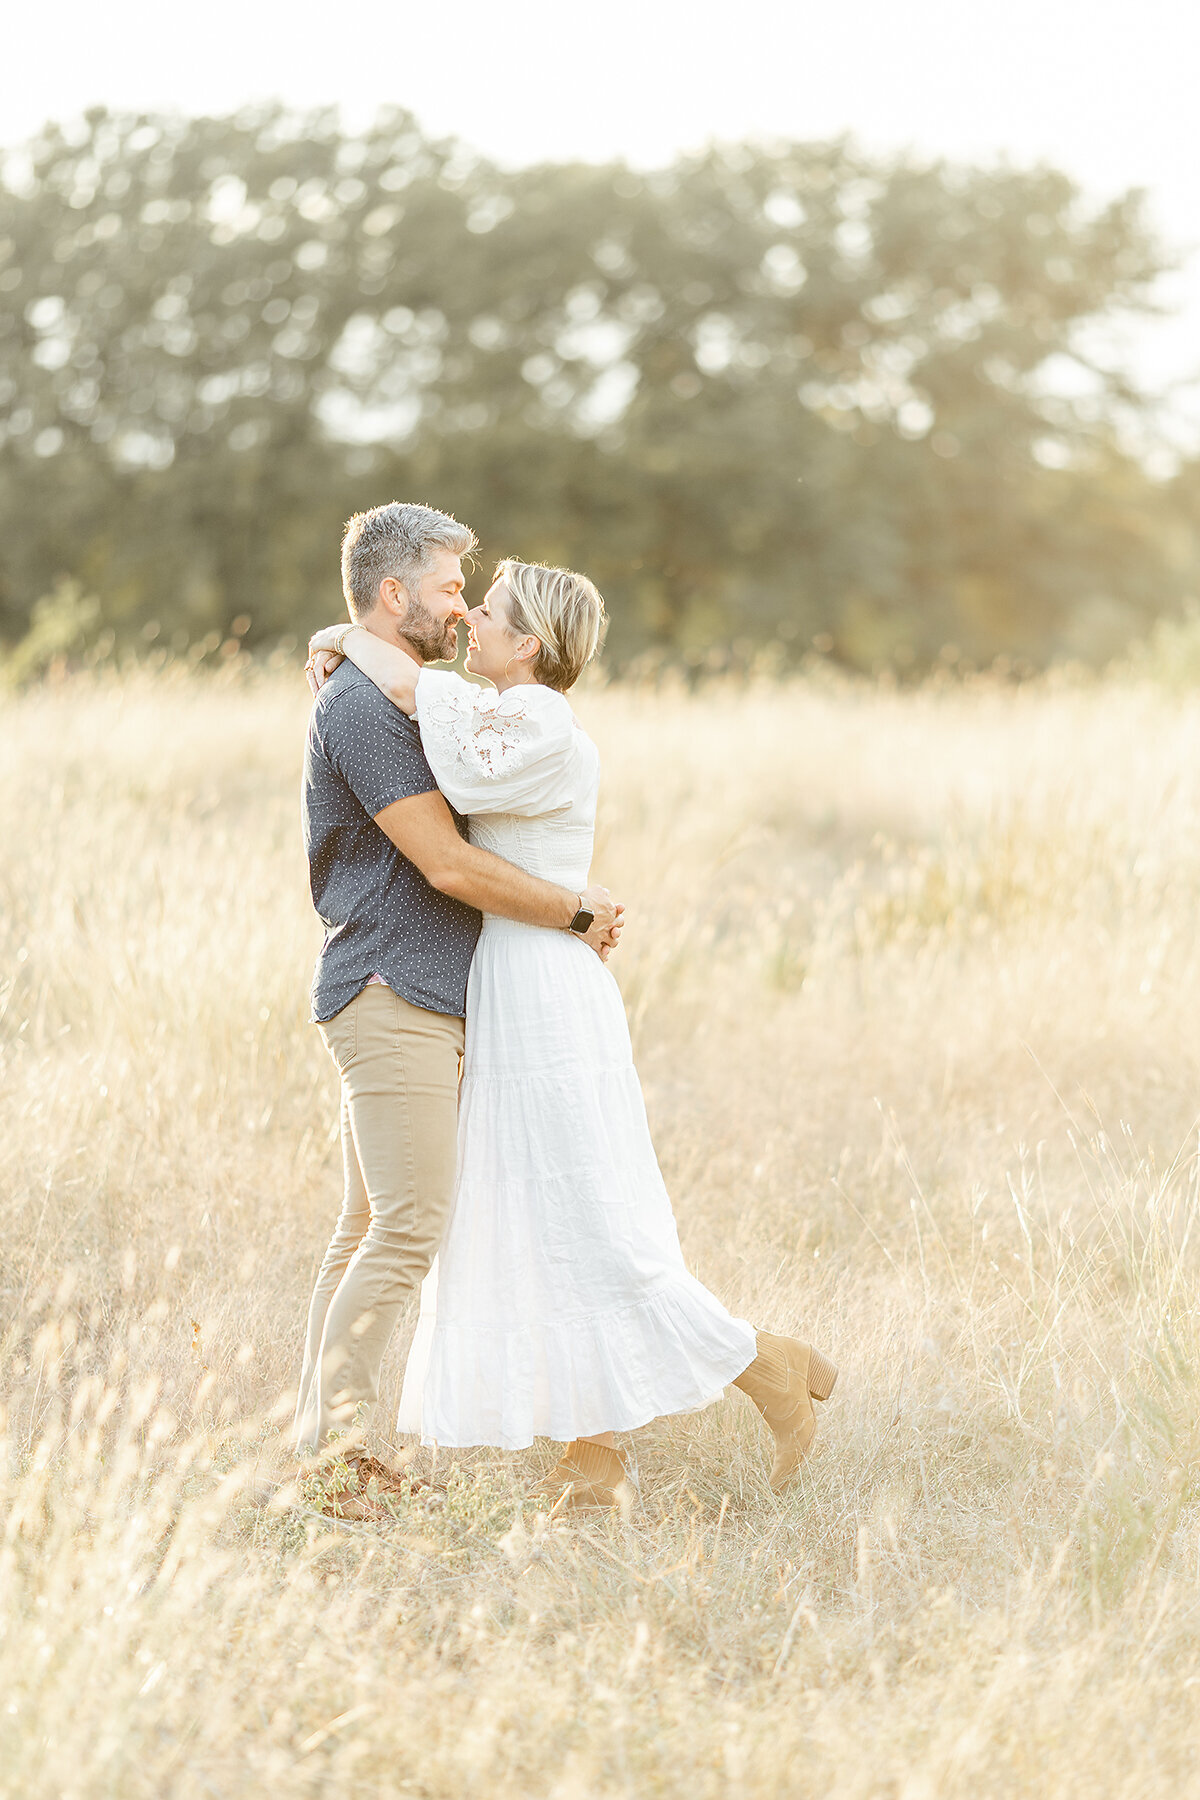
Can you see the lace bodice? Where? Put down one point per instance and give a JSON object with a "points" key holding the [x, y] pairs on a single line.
{"points": [[519, 765]]}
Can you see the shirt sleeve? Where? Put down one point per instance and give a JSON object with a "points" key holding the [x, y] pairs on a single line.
{"points": [[376, 749], [516, 752]]}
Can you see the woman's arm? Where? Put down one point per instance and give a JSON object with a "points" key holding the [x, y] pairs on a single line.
{"points": [[516, 752], [393, 670]]}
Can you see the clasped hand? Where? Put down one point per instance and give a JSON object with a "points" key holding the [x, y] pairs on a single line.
{"points": [[605, 931], [322, 658]]}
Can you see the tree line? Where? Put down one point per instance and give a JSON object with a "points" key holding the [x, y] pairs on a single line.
{"points": [[771, 397]]}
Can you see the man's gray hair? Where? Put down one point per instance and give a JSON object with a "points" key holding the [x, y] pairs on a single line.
{"points": [[397, 540]]}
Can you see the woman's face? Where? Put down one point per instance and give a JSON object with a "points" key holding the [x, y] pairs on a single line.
{"points": [[491, 642]]}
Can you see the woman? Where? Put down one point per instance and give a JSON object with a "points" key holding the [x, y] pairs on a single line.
{"points": [[560, 1305]]}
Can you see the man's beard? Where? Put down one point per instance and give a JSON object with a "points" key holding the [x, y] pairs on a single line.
{"points": [[433, 640]]}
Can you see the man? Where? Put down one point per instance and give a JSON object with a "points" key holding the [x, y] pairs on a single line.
{"points": [[400, 892]]}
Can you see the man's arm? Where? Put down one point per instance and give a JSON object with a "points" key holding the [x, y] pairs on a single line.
{"points": [[422, 829]]}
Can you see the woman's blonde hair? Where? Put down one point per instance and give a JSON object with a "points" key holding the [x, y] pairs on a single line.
{"points": [[562, 610]]}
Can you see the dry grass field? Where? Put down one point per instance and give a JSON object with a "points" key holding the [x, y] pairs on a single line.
{"points": [[915, 988]]}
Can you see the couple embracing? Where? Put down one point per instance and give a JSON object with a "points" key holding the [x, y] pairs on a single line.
{"points": [[491, 1116]]}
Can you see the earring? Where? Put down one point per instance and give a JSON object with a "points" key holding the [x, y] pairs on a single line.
{"points": [[507, 665]]}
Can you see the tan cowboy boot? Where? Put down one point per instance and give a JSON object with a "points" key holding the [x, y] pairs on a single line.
{"points": [[587, 1478], [783, 1381]]}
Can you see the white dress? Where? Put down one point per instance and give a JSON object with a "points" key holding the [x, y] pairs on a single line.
{"points": [[559, 1305]]}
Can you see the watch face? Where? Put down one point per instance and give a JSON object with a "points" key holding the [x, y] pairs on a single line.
{"points": [[582, 920]]}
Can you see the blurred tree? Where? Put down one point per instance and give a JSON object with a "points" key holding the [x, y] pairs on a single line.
{"points": [[767, 395]]}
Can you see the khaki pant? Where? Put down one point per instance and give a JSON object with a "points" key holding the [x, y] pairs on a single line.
{"points": [[399, 1066]]}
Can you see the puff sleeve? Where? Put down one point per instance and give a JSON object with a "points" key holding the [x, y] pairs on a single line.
{"points": [[516, 752]]}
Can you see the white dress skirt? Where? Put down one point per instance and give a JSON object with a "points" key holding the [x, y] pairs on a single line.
{"points": [[560, 1305]]}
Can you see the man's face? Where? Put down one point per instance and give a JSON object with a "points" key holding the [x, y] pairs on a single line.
{"points": [[435, 609]]}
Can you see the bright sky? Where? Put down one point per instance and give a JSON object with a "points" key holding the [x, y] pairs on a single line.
{"points": [[1107, 89]]}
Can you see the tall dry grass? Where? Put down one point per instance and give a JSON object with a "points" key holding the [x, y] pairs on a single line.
{"points": [[914, 985]]}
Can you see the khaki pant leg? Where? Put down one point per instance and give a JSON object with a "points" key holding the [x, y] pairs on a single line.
{"points": [[399, 1068], [348, 1234]]}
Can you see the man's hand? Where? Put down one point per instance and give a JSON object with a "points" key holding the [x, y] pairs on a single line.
{"points": [[604, 932]]}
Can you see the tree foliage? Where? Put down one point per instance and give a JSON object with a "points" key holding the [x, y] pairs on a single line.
{"points": [[770, 394]]}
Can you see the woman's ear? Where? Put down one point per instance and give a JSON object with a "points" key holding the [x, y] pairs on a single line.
{"points": [[529, 649]]}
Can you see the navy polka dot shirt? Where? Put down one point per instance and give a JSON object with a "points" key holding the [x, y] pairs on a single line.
{"points": [[380, 914]]}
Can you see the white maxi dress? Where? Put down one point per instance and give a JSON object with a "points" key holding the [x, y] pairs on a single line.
{"points": [[560, 1305]]}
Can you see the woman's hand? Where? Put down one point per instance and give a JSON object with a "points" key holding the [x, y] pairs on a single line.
{"points": [[323, 658], [327, 638], [393, 670], [319, 667]]}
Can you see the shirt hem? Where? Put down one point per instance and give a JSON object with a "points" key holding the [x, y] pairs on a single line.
{"points": [[320, 1017]]}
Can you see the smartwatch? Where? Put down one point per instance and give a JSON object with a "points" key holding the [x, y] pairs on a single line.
{"points": [[582, 922]]}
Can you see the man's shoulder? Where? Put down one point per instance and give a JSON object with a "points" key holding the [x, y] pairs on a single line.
{"points": [[350, 698]]}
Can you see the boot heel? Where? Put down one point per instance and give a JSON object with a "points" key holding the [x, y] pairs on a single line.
{"points": [[821, 1375]]}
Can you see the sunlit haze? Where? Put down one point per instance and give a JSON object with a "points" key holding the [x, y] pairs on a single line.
{"points": [[1105, 91]]}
